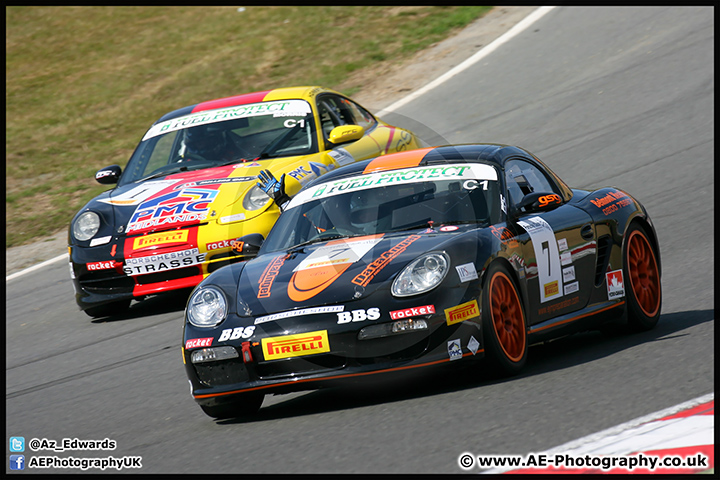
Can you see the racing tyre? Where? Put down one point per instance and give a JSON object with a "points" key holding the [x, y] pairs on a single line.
{"points": [[242, 406], [108, 309], [641, 275], [503, 320]]}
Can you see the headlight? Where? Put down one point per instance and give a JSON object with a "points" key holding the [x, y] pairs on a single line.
{"points": [[255, 198], [207, 307], [86, 226], [421, 275]]}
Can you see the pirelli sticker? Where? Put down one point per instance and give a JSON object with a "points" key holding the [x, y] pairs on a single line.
{"points": [[298, 345], [462, 312], [153, 240]]}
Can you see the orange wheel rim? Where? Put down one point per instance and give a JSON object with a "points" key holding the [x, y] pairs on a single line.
{"points": [[507, 317], [644, 276]]}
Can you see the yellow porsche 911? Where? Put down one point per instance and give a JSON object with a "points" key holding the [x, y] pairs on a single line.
{"points": [[191, 188]]}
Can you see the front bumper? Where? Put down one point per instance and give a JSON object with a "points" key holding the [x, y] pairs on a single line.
{"points": [[217, 382]]}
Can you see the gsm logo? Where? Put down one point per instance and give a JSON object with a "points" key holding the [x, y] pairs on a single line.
{"points": [[546, 200]]}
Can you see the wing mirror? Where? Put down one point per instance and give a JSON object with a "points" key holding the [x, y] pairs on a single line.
{"points": [[247, 245], [109, 175], [538, 202], [345, 134]]}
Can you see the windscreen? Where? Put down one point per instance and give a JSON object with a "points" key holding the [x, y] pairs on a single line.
{"points": [[386, 202], [206, 139]]}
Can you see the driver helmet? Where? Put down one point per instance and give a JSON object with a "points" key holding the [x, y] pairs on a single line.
{"points": [[366, 211], [204, 140]]}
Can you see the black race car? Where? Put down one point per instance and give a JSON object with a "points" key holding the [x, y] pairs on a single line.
{"points": [[417, 259]]}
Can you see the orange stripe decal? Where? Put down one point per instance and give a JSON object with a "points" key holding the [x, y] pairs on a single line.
{"points": [[410, 158]]}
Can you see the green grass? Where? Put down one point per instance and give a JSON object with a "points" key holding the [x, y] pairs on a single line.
{"points": [[84, 83]]}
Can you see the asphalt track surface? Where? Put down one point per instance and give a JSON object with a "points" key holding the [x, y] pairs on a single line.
{"points": [[605, 96]]}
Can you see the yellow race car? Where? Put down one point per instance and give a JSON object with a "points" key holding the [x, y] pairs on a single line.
{"points": [[191, 188]]}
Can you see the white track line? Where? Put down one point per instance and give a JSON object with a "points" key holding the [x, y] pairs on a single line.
{"points": [[64, 256], [514, 31], [484, 52]]}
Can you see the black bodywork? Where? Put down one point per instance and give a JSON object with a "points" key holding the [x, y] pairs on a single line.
{"points": [[589, 229]]}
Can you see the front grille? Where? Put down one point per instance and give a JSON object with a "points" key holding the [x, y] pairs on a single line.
{"points": [[225, 372], [300, 365], [106, 282], [377, 350]]}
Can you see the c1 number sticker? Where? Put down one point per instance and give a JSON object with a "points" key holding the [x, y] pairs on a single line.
{"points": [[546, 256]]}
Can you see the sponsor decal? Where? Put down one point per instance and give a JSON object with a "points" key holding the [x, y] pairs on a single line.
{"points": [[341, 156], [236, 333], [238, 217], [615, 284], [297, 313], [365, 277], [612, 202], [198, 342], [449, 228], [412, 312], [571, 288], [467, 272], [100, 241], [268, 276], [320, 168], [179, 236], [279, 108], [302, 175], [552, 289], [287, 346], [113, 250], [552, 199], [562, 244], [186, 205], [166, 261], [323, 266], [554, 308], [568, 274], [462, 312], [565, 258], [504, 235], [454, 349], [473, 345], [108, 265], [395, 177], [547, 256], [358, 315], [217, 245], [137, 195], [214, 181]]}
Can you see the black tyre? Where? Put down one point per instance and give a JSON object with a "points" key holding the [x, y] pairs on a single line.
{"points": [[243, 405], [641, 277], [503, 320], [108, 309]]}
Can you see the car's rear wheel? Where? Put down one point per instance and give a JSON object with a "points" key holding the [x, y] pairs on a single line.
{"points": [[503, 318], [108, 309], [243, 405], [642, 280]]}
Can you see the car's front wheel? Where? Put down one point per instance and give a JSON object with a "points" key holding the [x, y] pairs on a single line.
{"points": [[503, 319], [243, 405]]}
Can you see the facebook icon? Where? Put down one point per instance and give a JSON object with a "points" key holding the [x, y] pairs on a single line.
{"points": [[17, 462]]}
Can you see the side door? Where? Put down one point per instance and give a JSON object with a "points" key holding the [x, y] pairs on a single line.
{"points": [[559, 250]]}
